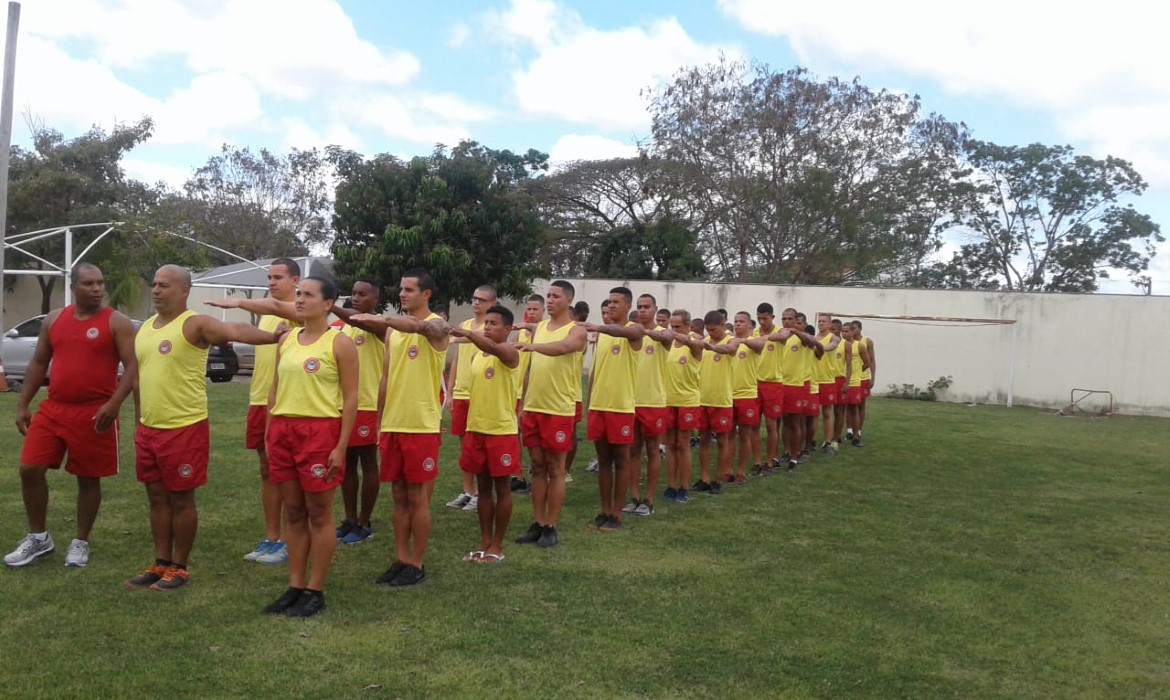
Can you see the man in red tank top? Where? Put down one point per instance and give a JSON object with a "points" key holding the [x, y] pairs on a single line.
{"points": [[79, 419]]}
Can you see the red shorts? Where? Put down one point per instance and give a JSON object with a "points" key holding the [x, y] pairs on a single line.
{"points": [[409, 457], [257, 423], [59, 429], [459, 416], [866, 388], [747, 412], [795, 399], [577, 414], [685, 418], [651, 422], [771, 399], [717, 420], [298, 449], [842, 390], [854, 396], [175, 456], [828, 394], [614, 428], [365, 429], [812, 409], [494, 455], [546, 431]]}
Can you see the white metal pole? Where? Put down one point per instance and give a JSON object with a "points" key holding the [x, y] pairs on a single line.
{"points": [[6, 135], [1012, 372], [68, 265]]}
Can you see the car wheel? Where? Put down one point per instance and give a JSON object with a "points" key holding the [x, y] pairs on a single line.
{"points": [[220, 378]]}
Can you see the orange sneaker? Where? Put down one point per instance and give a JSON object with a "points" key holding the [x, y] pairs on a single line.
{"points": [[148, 578], [172, 579]]}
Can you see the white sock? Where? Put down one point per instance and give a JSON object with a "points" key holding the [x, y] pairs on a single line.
{"points": [[40, 536]]}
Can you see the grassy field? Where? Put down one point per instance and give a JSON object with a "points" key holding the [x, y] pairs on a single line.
{"points": [[964, 552]]}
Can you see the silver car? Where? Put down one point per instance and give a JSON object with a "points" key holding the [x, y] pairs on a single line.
{"points": [[20, 342]]}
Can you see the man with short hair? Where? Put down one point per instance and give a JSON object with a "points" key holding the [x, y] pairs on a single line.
{"points": [[533, 315], [684, 414], [411, 419], [745, 395], [856, 362], [663, 318], [824, 376], [868, 376], [796, 368], [812, 410], [459, 386], [580, 314], [771, 384], [172, 442], [649, 407], [715, 399], [610, 419], [79, 419]]}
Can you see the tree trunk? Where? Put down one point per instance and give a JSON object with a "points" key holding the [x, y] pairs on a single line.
{"points": [[47, 284]]}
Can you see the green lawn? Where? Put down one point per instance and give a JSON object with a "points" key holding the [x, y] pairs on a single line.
{"points": [[964, 552]]}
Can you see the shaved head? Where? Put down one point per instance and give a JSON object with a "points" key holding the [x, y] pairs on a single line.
{"points": [[181, 275]]}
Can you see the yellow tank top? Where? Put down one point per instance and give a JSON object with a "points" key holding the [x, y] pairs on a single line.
{"points": [[745, 373], [855, 377], [371, 352], [579, 376], [493, 395], [839, 359], [309, 385], [525, 361], [465, 351], [650, 391], [715, 378], [792, 361], [171, 371], [865, 372], [682, 377], [553, 382], [615, 373], [823, 368], [264, 364], [769, 368], [412, 384]]}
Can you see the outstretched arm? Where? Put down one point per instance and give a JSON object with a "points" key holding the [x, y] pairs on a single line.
{"points": [[205, 330], [574, 343], [696, 343], [347, 315], [434, 330], [266, 307], [756, 344], [507, 352]]}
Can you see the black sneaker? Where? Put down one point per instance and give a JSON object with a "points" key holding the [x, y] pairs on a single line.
{"points": [[519, 485], [598, 521], [715, 488], [309, 604], [611, 524], [391, 573], [548, 537], [785, 458], [345, 528], [531, 535], [670, 493], [701, 486], [284, 602], [792, 464], [856, 442], [409, 576]]}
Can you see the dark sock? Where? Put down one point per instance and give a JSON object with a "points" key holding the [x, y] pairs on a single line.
{"points": [[177, 565], [310, 591], [163, 563]]}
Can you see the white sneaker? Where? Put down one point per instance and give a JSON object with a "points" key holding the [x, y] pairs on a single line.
{"points": [[472, 503], [29, 549], [459, 501], [593, 466], [78, 555], [261, 548], [277, 554], [630, 507], [568, 478]]}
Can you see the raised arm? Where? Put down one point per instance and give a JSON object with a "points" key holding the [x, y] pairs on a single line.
{"points": [[265, 307], [756, 344], [834, 341], [724, 349], [507, 352], [34, 374], [664, 337], [205, 330], [434, 330], [575, 342], [780, 336], [696, 343], [347, 315], [123, 332]]}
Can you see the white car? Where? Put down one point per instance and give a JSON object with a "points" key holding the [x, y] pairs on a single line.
{"points": [[20, 342]]}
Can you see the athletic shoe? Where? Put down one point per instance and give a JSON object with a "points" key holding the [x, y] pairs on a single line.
{"points": [[548, 537], [343, 529], [701, 486], [662, 451], [740, 479], [29, 549], [78, 555], [391, 573], [849, 434], [694, 442], [277, 554], [785, 458], [519, 485], [360, 534], [631, 506], [408, 577], [459, 501], [265, 545], [831, 450], [593, 467], [670, 493], [758, 470], [682, 496], [644, 509], [472, 505], [531, 535], [288, 599], [792, 464], [309, 604], [172, 579], [729, 479], [856, 442], [598, 521], [715, 488], [148, 578], [611, 524], [568, 478]]}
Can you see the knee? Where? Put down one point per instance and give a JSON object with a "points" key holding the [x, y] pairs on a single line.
{"points": [[295, 514], [32, 475], [89, 486], [318, 518]]}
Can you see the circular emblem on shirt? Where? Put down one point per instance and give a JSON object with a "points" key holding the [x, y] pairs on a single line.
{"points": [[742, 354], [312, 364], [186, 471], [506, 459], [489, 372], [92, 334], [771, 346], [650, 349], [682, 360], [560, 436], [360, 340], [795, 348], [718, 357], [429, 464], [363, 431], [318, 471], [625, 431], [412, 353], [615, 349], [164, 347]]}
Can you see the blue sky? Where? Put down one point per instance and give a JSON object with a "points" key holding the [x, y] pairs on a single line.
{"points": [[563, 76]]}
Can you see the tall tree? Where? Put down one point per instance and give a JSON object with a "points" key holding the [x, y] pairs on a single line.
{"points": [[792, 179], [1042, 218], [461, 214]]}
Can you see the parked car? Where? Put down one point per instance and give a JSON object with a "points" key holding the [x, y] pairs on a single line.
{"points": [[20, 342], [246, 352]]}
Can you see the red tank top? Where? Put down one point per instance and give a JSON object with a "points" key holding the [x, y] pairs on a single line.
{"points": [[85, 358]]}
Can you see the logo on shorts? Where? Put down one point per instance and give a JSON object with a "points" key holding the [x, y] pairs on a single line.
{"points": [[560, 436], [615, 349], [751, 413], [429, 464], [723, 420], [363, 431], [506, 460], [164, 348], [776, 408], [412, 353], [688, 418], [658, 423], [625, 431], [360, 340], [318, 471], [186, 471], [682, 360], [92, 334], [312, 364], [489, 373]]}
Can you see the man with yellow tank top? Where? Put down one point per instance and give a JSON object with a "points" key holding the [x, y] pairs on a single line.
{"points": [[771, 384], [491, 447], [459, 387], [610, 419], [172, 440], [826, 378], [533, 315], [649, 407], [867, 378], [717, 415], [547, 422], [745, 394], [839, 378], [277, 308], [357, 526], [858, 361], [796, 366], [682, 404], [411, 419], [812, 410]]}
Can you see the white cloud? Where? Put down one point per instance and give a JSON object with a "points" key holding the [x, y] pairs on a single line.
{"points": [[573, 147], [152, 172], [585, 75], [459, 35], [395, 117]]}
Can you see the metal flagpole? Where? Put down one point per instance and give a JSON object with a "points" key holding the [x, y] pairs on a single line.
{"points": [[6, 139]]}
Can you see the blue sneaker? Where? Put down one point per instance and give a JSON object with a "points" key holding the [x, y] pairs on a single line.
{"points": [[358, 535], [345, 528], [670, 493], [261, 549], [682, 497], [277, 554]]}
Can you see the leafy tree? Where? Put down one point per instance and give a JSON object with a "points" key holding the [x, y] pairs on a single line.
{"points": [[664, 250], [461, 214], [791, 179], [1042, 218]]}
